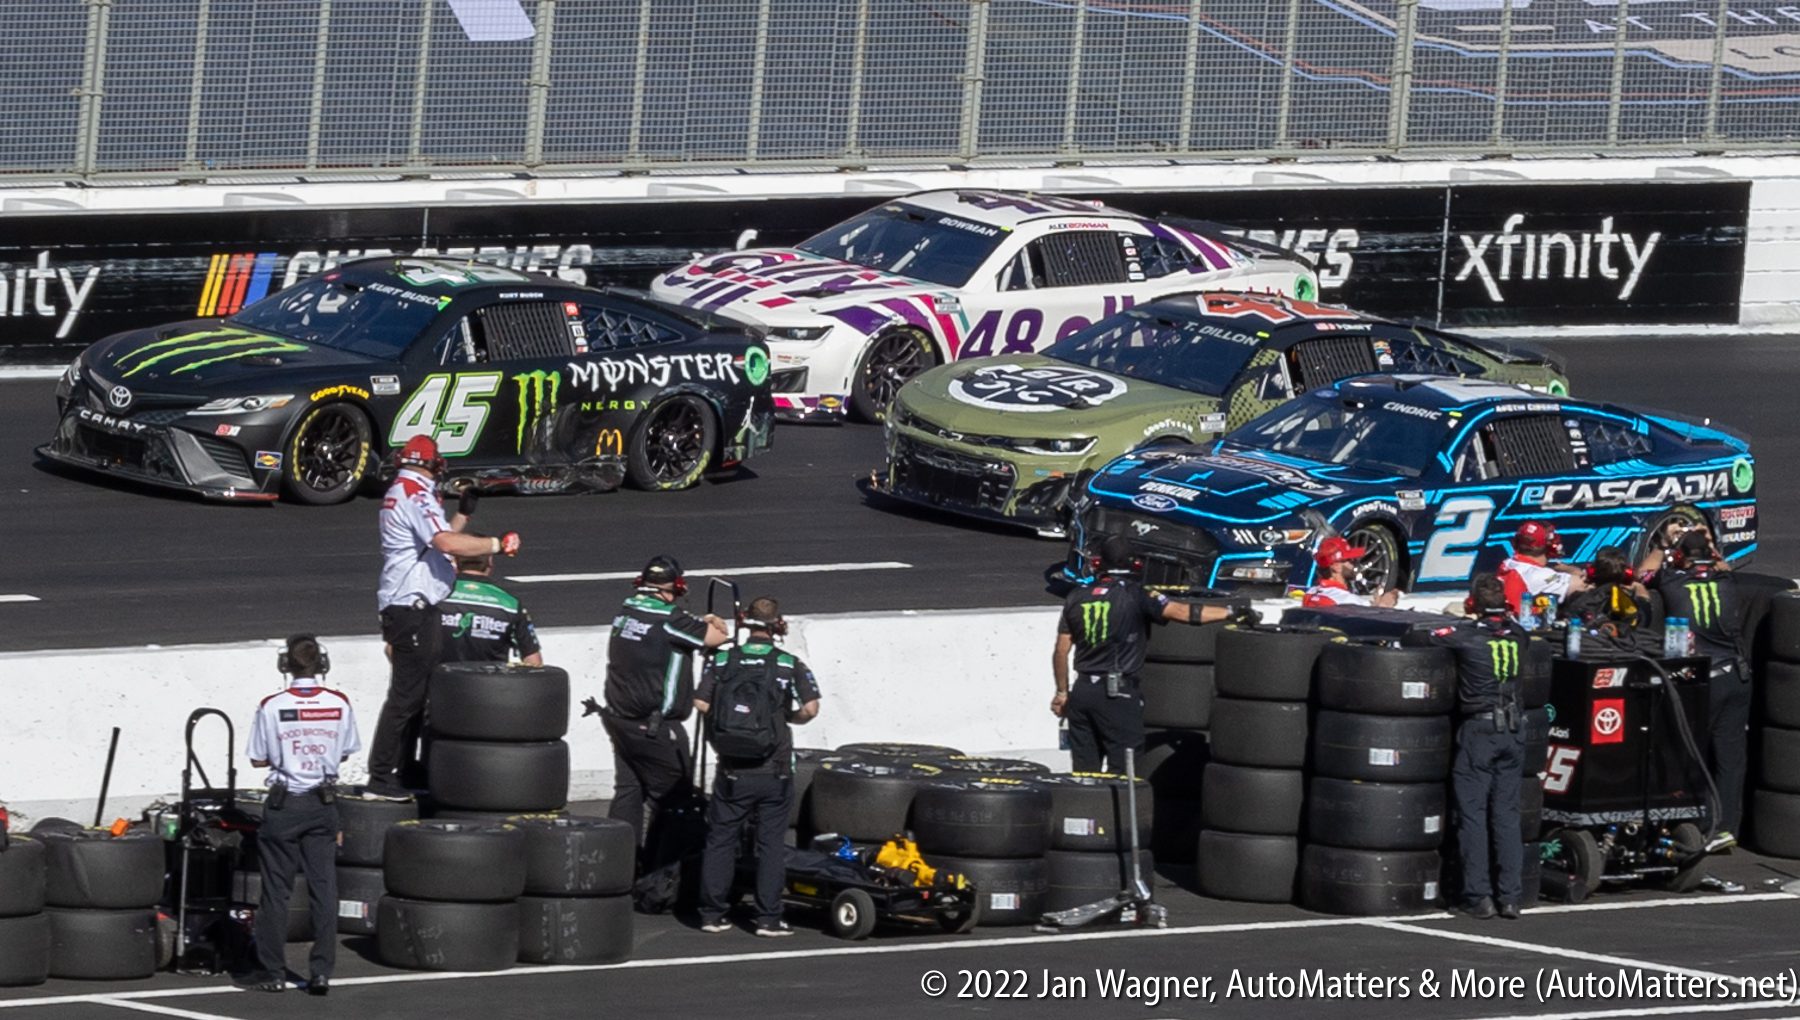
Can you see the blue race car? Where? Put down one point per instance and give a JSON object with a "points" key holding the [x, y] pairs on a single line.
{"points": [[1432, 475]]}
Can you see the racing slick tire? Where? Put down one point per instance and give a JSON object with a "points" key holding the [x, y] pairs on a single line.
{"points": [[904, 752], [1775, 823], [1177, 695], [1017, 768], [806, 765], [1383, 564], [867, 801], [993, 816], [1179, 642], [1265, 802], [1265, 734], [1011, 891], [1269, 663], [1380, 680], [455, 861], [1078, 879], [1531, 809], [1335, 880], [1382, 748], [1778, 759], [1781, 693], [55, 824], [672, 445], [1175, 834], [1537, 740], [24, 950], [102, 945], [499, 701], [22, 877], [571, 857], [1784, 627], [1089, 812], [481, 775], [589, 929], [328, 455], [92, 869], [1174, 762], [427, 935], [1375, 816], [359, 896], [1248, 867], [888, 360], [364, 822], [247, 887]]}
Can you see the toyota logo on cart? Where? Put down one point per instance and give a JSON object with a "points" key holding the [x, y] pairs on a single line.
{"points": [[1609, 721], [119, 398]]}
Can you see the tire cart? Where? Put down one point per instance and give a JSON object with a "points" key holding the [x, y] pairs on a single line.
{"points": [[860, 887]]}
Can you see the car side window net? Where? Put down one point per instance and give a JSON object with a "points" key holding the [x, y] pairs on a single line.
{"points": [[1414, 356], [1079, 258], [525, 329], [1534, 445], [1155, 256], [609, 329], [1326, 360]]}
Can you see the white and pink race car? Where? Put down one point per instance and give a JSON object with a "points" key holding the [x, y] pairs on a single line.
{"points": [[854, 312]]}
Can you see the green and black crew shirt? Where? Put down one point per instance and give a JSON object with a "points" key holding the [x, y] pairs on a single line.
{"points": [[483, 622], [1109, 621], [647, 659], [793, 676]]}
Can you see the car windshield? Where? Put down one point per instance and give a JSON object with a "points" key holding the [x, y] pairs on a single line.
{"points": [[904, 239], [344, 315], [1172, 350], [1371, 434]]}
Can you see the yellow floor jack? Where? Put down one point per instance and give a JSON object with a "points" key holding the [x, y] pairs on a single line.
{"points": [[1134, 905]]}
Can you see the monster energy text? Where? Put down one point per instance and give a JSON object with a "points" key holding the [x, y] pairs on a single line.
{"points": [[537, 395], [1096, 621], [1505, 657]]}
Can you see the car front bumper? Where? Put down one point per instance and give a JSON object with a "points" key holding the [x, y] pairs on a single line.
{"points": [[1178, 556], [159, 455], [1029, 492]]}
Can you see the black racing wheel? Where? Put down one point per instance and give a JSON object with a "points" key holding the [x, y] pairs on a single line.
{"points": [[889, 361], [672, 445], [1379, 569], [328, 454]]}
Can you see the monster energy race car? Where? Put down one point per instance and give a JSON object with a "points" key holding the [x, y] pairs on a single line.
{"points": [[525, 382]]}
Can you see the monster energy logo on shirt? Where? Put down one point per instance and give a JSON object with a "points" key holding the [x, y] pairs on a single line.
{"points": [[1504, 654], [1705, 597], [1096, 621], [537, 393]]}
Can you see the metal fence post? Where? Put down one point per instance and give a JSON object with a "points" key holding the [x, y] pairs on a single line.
{"points": [[1284, 97], [1497, 130], [415, 142], [1400, 101], [1615, 95], [93, 81], [1072, 100], [759, 66], [974, 70], [1715, 84], [537, 100], [190, 153], [1190, 80], [859, 58], [315, 112], [640, 72]]}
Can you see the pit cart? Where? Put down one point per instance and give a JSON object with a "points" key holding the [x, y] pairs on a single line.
{"points": [[859, 887]]}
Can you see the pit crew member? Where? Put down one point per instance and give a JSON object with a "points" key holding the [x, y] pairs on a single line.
{"points": [[483, 622], [1336, 560], [1614, 608], [1529, 572]]}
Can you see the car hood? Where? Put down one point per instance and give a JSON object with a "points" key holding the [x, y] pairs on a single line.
{"points": [[207, 356], [782, 284], [1232, 484], [1031, 395]]}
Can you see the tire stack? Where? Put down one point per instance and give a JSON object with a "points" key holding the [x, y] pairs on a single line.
{"points": [[994, 831], [24, 927], [867, 800], [1381, 750], [1774, 805], [1534, 693], [365, 822], [453, 896], [1090, 837], [1255, 784], [101, 893], [1177, 684], [497, 743], [577, 906]]}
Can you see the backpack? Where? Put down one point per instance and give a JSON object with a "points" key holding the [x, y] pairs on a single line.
{"points": [[744, 718]]}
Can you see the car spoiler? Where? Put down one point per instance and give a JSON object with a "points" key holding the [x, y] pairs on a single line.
{"points": [[1703, 431], [1235, 237]]}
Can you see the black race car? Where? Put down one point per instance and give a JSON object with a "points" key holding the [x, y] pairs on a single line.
{"points": [[526, 382]]}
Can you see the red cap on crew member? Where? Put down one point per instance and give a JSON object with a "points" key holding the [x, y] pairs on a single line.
{"points": [[419, 451], [1335, 550], [1534, 537]]}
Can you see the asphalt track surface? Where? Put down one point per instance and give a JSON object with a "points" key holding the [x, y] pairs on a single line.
{"points": [[116, 564]]}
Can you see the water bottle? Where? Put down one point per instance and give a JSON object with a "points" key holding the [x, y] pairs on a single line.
{"points": [[1527, 615], [1675, 637], [1572, 640]]}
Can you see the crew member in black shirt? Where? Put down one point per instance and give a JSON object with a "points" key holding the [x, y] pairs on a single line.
{"points": [[650, 690], [1490, 749], [483, 622], [1697, 585], [1106, 623], [758, 690]]}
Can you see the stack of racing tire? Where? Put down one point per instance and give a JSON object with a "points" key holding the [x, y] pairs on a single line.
{"points": [[1375, 799], [1091, 823], [1178, 687], [1534, 693], [1255, 784], [452, 899], [577, 905], [1774, 808], [993, 830], [496, 746], [364, 822], [24, 927], [100, 895]]}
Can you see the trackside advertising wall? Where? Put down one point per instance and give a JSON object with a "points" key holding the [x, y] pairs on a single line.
{"points": [[1475, 254]]}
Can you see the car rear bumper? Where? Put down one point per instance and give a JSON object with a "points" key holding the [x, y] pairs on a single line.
{"points": [[167, 457]]}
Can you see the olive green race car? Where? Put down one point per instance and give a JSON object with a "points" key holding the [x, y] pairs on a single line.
{"points": [[1010, 438]]}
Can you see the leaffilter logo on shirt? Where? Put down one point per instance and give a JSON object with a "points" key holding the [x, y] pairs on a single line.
{"points": [[1504, 654], [1705, 597], [1096, 621]]}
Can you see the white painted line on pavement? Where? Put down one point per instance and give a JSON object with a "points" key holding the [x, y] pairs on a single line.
{"points": [[943, 946], [1558, 951], [148, 1007], [802, 568], [19, 598]]}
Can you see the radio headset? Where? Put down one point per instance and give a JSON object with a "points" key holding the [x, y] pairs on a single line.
{"points": [[284, 660]]}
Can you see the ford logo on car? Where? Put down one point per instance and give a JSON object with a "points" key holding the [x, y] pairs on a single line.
{"points": [[1155, 502]]}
